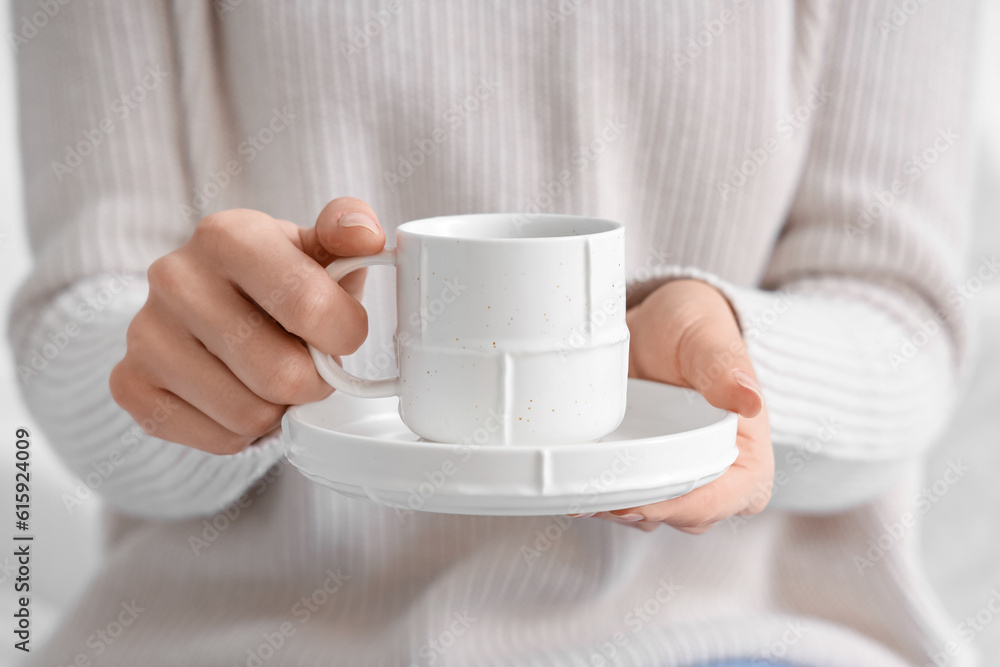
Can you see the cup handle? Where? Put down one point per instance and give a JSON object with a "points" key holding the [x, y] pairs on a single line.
{"points": [[329, 369]]}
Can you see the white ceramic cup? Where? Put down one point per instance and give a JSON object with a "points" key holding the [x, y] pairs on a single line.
{"points": [[509, 330]]}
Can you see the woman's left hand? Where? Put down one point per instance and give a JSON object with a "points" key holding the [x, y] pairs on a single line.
{"points": [[685, 333]]}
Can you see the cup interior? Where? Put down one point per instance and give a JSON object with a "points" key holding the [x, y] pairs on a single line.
{"points": [[508, 226]]}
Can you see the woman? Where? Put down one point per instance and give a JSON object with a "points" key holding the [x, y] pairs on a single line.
{"points": [[793, 181]]}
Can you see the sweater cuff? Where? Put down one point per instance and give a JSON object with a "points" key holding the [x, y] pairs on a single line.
{"points": [[64, 361], [849, 368]]}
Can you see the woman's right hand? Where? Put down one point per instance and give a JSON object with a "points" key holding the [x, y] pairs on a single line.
{"points": [[216, 354]]}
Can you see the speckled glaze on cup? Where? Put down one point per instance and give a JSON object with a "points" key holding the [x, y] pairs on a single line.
{"points": [[510, 330]]}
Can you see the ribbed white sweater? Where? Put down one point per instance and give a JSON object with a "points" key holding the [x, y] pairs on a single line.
{"points": [[808, 157]]}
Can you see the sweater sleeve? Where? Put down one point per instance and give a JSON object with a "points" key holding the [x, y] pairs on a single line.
{"points": [[102, 126], [857, 327]]}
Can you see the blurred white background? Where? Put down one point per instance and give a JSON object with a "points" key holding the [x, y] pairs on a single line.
{"points": [[962, 531]]}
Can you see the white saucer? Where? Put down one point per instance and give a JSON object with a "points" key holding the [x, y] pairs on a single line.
{"points": [[670, 442]]}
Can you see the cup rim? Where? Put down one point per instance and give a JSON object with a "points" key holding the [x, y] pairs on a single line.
{"points": [[432, 228]]}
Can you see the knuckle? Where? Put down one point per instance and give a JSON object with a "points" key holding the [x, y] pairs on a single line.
{"points": [[136, 333], [224, 223], [229, 230], [144, 346], [133, 333], [213, 229], [124, 386], [166, 274], [289, 380], [136, 397]]}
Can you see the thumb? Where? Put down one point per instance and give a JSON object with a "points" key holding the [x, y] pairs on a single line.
{"points": [[713, 359], [346, 227]]}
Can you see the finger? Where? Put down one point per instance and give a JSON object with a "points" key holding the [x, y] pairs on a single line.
{"points": [[713, 359], [645, 526], [702, 507], [257, 351], [622, 517], [181, 365], [740, 490], [164, 415], [254, 253], [346, 227]]}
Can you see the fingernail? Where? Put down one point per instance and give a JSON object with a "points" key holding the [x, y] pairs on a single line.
{"points": [[581, 516], [629, 518], [355, 219], [746, 380]]}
